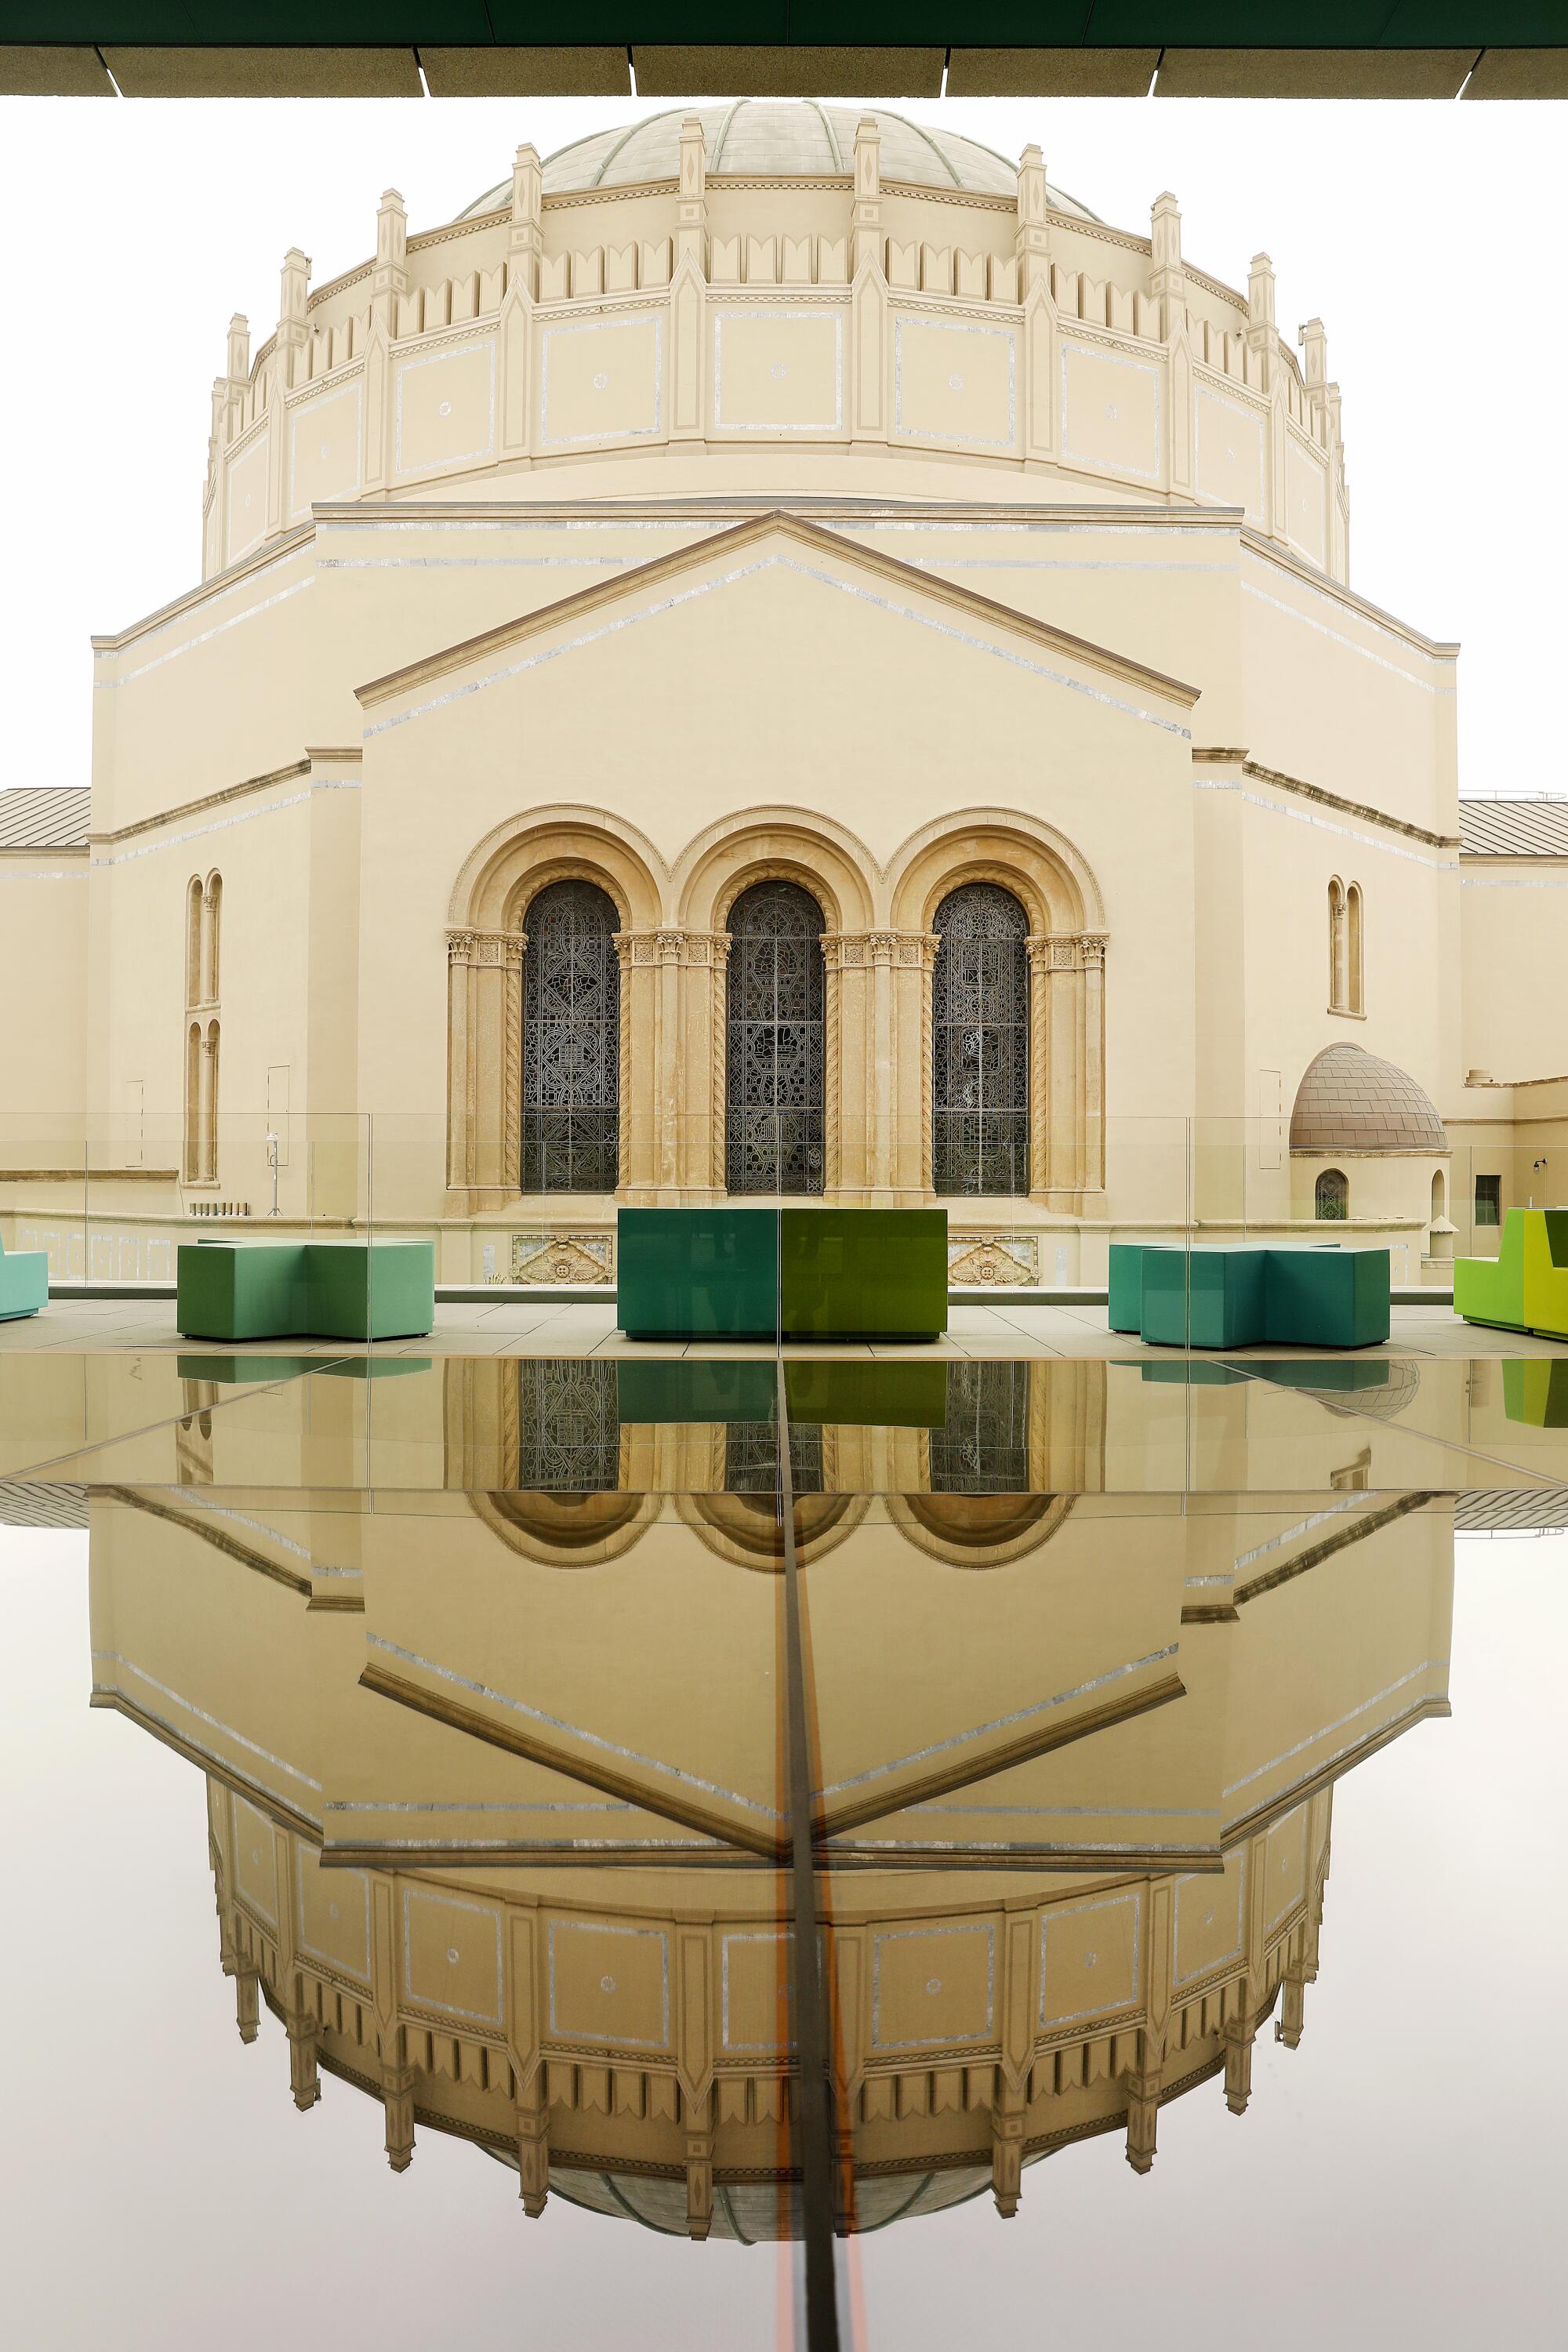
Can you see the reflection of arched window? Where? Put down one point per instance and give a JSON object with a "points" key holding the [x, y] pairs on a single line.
{"points": [[980, 1043], [568, 1425], [752, 1457], [193, 1151], [1334, 1194], [193, 941], [1338, 993], [773, 1061], [571, 1042], [983, 1446], [1355, 995]]}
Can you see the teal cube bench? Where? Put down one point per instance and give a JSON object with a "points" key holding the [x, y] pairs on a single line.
{"points": [[725, 1272], [332, 1290], [23, 1283], [1246, 1294]]}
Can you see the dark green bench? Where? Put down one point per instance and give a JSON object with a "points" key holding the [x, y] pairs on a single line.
{"points": [[278, 1290], [1246, 1294], [724, 1273]]}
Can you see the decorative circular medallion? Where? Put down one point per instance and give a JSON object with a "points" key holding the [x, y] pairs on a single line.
{"points": [[955, 383], [256, 1855], [601, 381], [933, 1984], [445, 409], [326, 448], [1110, 410], [451, 1955], [1090, 1958], [778, 370], [606, 1984]]}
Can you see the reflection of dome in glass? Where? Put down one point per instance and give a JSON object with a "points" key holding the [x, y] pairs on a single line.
{"points": [[790, 139], [1349, 1100], [753, 2212]]}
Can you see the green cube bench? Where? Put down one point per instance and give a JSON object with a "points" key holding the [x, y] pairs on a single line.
{"points": [[332, 1290], [23, 1283], [1237, 1296], [722, 1273], [1525, 1287]]}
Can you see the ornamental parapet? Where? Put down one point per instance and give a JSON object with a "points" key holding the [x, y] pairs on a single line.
{"points": [[1001, 331]]}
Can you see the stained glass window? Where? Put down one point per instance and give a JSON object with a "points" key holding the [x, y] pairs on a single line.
{"points": [[980, 1005], [571, 1042], [773, 1118]]}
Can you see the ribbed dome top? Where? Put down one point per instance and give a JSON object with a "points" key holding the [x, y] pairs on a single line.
{"points": [[765, 138], [1352, 1101]]}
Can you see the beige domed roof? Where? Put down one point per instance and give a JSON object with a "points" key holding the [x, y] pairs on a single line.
{"points": [[1352, 1101], [790, 139]]}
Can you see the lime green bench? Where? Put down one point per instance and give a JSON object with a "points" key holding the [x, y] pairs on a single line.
{"points": [[1525, 1287], [333, 1290], [23, 1283]]}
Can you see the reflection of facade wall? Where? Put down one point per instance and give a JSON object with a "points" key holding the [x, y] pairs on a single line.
{"points": [[571, 2032], [1142, 1873]]}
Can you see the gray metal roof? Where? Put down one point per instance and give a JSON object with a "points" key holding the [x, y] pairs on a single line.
{"points": [[45, 817], [1536, 828]]}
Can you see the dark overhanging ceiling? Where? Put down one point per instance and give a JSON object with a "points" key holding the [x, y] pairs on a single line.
{"points": [[843, 48]]}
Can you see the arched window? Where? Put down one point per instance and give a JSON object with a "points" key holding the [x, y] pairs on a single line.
{"points": [[774, 1059], [193, 941], [1355, 999], [1337, 984], [1332, 1199], [193, 1148], [1440, 1197], [571, 1042], [215, 922], [209, 1104], [980, 1043]]}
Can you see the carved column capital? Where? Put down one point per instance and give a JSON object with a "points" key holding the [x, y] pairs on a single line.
{"points": [[496, 951]]}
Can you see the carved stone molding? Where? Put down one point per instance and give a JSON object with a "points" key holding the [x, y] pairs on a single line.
{"points": [[487, 950]]}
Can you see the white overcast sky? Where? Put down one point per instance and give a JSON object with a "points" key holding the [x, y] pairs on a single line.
{"points": [[1427, 237]]}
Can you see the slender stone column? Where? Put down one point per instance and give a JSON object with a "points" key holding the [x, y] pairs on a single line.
{"points": [[484, 1060], [644, 1097], [718, 1062], [699, 1061], [1039, 950]]}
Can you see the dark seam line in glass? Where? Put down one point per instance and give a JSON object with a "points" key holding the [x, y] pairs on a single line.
{"points": [[816, 2115]]}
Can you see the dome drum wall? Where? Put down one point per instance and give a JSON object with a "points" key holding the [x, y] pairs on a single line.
{"points": [[898, 288]]}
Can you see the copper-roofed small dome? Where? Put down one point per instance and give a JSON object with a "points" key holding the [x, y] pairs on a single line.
{"points": [[1351, 1101]]}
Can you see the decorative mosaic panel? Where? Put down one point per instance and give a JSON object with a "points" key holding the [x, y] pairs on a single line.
{"points": [[539, 1256], [991, 1258]]}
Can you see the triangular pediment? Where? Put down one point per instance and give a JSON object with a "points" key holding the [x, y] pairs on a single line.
{"points": [[808, 550]]}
